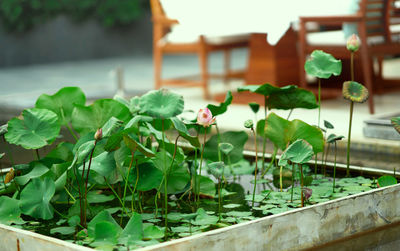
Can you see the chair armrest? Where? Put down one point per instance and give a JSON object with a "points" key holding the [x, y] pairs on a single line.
{"points": [[164, 21], [332, 20]]}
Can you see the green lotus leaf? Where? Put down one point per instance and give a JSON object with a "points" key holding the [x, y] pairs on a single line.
{"points": [[207, 186], [237, 139], [152, 232], [62, 102], [35, 198], [216, 169], [254, 107], [283, 132], [292, 98], [38, 170], [135, 145], [355, 92], [105, 234], [90, 118], [328, 125], [161, 104], [226, 148], [9, 211], [178, 180], [266, 89], [221, 108], [323, 65], [333, 137], [133, 230], [386, 180], [396, 123], [103, 216], [149, 177], [299, 152], [37, 128], [184, 133]]}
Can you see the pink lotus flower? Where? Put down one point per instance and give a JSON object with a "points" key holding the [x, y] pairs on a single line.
{"points": [[353, 43], [205, 118]]}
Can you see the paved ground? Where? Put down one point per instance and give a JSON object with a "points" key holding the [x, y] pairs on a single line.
{"points": [[21, 86]]}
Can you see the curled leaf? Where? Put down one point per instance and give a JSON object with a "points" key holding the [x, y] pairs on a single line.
{"points": [[355, 92], [9, 176], [396, 123]]}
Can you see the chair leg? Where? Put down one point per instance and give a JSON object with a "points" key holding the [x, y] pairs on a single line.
{"points": [[227, 66], [157, 58], [203, 60]]}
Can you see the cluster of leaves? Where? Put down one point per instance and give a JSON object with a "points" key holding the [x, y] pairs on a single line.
{"points": [[21, 15]]}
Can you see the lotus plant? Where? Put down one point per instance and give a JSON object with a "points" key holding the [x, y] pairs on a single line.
{"points": [[205, 119], [353, 91], [249, 124], [333, 139]]}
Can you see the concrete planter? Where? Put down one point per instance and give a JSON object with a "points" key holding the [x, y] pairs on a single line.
{"points": [[293, 230]]}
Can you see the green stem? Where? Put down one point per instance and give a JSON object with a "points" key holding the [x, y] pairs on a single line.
{"points": [[302, 185], [352, 66], [319, 102], [290, 113], [165, 182], [291, 195], [326, 157], [72, 132], [69, 194], [334, 169], [116, 195], [136, 182], [37, 154], [127, 177], [273, 157], [315, 165], [264, 137], [280, 178], [87, 179], [219, 199], [218, 141], [201, 163], [255, 170], [349, 139]]}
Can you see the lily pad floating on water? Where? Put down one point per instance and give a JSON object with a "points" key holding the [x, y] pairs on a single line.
{"points": [[355, 92], [386, 180], [37, 128]]}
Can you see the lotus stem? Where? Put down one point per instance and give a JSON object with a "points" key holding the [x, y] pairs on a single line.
{"points": [[352, 65], [255, 170], [349, 139], [116, 194], [8, 151], [326, 158], [126, 179], [273, 158], [72, 132], [302, 185], [37, 154], [201, 163], [291, 195], [290, 113], [165, 182], [264, 137], [319, 102], [334, 169], [87, 179], [218, 141], [280, 178]]}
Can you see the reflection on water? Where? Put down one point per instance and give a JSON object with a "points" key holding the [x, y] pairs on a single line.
{"points": [[385, 238]]}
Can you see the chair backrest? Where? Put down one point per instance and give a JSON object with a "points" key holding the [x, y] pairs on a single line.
{"points": [[394, 20], [376, 20], [160, 28]]}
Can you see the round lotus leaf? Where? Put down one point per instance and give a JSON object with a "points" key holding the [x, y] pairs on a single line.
{"points": [[355, 92], [226, 148], [396, 123], [36, 128], [161, 104], [266, 89], [298, 152], [323, 65], [333, 137]]}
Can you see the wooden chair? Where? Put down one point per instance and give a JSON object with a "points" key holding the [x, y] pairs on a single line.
{"points": [[200, 45], [373, 29]]}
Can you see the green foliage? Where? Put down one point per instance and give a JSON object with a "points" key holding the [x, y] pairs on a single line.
{"points": [[293, 98], [237, 139], [37, 128], [223, 107], [396, 123], [283, 132], [386, 180], [161, 104], [299, 152], [35, 198], [9, 211], [355, 92], [21, 15], [323, 65]]}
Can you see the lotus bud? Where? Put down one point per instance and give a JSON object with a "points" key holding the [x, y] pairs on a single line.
{"points": [[205, 118], [9, 176], [248, 124], [353, 43], [98, 135]]}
